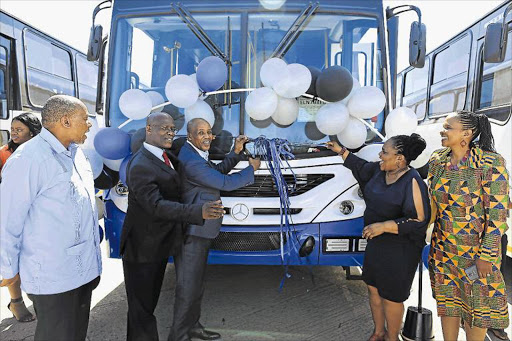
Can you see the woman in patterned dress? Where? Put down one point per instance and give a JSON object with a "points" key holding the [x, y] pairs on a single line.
{"points": [[469, 186]]}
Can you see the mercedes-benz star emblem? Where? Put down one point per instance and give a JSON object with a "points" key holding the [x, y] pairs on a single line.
{"points": [[240, 212]]}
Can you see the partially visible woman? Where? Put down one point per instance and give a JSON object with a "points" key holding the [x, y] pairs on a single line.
{"points": [[469, 186], [396, 218], [23, 128]]}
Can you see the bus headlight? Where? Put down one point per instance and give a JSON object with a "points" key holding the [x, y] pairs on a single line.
{"points": [[346, 207]]}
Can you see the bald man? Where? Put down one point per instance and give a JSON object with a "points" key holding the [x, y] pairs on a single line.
{"points": [[203, 180], [49, 222], [153, 227]]}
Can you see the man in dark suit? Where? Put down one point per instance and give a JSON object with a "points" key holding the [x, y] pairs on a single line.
{"points": [[154, 224], [202, 181]]}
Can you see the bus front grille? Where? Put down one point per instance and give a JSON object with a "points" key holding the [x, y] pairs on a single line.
{"points": [[264, 186], [247, 241]]}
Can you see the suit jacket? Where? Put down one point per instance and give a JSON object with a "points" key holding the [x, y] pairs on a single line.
{"points": [[203, 180], [154, 223]]}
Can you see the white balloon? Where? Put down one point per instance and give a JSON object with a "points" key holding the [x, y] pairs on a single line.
{"points": [[182, 91], [200, 109], [272, 4], [332, 118], [286, 112], [95, 160], [355, 85], [194, 77], [261, 103], [156, 99], [273, 70], [423, 158], [100, 205], [354, 134], [295, 83], [401, 121], [113, 164], [370, 153], [135, 104], [366, 102]]}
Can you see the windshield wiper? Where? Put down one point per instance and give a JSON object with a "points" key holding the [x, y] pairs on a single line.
{"points": [[294, 31], [199, 32]]}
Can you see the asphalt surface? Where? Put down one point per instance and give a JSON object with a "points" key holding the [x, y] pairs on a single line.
{"points": [[244, 303]]}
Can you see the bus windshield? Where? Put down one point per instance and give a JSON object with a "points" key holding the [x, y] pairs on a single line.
{"points": [[148, 50]]}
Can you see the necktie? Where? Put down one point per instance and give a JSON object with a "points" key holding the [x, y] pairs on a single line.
{"points": [[166, 159]]}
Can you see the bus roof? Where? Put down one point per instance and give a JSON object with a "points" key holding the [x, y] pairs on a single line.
{"points": [[39, 30]]}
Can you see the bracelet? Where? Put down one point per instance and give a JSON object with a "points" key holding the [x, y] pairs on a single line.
{"points": [[342, 151]]}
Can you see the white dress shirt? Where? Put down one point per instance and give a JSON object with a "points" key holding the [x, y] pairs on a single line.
{"points": [[203, 154], [156, 151]]}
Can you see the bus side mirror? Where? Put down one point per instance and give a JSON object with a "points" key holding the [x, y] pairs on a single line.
{"points": [[494, 43], [417, 44], [95, 40]]}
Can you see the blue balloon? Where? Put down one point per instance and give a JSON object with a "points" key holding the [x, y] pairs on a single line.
{"points": [[101, 233], [211, 74], [112, 143], [122, 168], [424, 255]]}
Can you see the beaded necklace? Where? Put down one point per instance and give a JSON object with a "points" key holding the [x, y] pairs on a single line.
{"points": [[450, 166]]}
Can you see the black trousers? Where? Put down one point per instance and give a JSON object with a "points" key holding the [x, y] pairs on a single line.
{"points": [[143, 282], [64, 316], [190, 266]]}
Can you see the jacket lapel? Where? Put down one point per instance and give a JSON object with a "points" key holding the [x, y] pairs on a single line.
{"points": [[159, 163]]}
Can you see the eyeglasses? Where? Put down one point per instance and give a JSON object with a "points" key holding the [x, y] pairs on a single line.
{"points": [[168, 130], [17, 130]]}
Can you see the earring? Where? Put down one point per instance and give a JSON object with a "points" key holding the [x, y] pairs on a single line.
{"points": [[397, 164], [463, 143]]}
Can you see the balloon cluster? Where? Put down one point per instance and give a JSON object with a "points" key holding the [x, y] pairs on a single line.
{"points": [[114, 147], [183, 91]]}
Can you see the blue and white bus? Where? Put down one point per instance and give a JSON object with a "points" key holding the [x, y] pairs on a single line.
{"points": [[150, 41], [457, 75], [35, 66]]}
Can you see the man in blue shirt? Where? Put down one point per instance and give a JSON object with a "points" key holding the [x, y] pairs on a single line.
{"points": [[49, 222]]}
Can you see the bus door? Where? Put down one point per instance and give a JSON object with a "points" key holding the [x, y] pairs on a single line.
{"points": [[5, 89]]}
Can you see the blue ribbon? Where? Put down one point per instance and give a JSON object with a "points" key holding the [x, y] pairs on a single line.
{"points": [[276, 152]]}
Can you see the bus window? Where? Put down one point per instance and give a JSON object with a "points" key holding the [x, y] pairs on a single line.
{"points": [[415, 90], [87, 76], [49, 70], [495, 86], [355, 47], [448, 91], [3, 83]]}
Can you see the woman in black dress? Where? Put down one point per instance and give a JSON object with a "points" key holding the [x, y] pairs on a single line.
{"points": [[396, 218]]}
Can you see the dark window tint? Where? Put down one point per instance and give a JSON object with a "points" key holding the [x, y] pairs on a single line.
{"points": [[87, 76], [453, 60], [496, 81], [415, 90], [3, 82], [448, 90], [49, 69]]}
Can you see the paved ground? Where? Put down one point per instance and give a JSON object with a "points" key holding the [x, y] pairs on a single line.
{"points": [[243, 304]]}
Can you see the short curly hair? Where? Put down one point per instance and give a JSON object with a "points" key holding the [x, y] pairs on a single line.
{"points": [[58, 106]]}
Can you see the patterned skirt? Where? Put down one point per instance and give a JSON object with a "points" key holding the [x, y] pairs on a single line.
{"points": [[481, 303]]}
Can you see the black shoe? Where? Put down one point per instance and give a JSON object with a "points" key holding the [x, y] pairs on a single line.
{"points": [[203, 334]]}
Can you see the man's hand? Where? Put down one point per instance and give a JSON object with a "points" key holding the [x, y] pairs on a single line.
{"points": [[240, 141], [6, 282], [484, 268], [213, 210], [255, 163]]}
